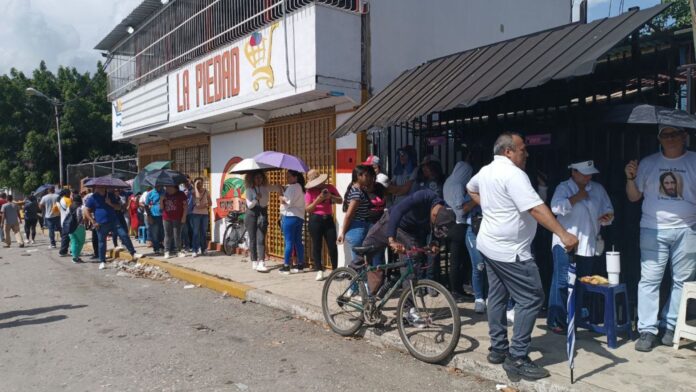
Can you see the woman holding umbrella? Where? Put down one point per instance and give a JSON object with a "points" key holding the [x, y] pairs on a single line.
{"points": [[292, 211], [258, 193]]}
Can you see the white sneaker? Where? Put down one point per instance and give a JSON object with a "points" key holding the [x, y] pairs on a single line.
{"points": [[182, 254], [167, 255], [320, 276], [194, 254], [294, 270], [261, 266], [118, 248], [511, 316], [102, 265], [254, 265]]}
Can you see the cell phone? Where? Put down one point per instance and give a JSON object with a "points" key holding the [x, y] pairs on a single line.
{"points": [[324, 191]]}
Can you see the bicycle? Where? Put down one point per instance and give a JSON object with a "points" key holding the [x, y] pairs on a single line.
{"points": [[427, 315], [234, 232]]}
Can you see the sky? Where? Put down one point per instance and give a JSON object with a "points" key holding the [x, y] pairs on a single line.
{"points": [[64, 32]]}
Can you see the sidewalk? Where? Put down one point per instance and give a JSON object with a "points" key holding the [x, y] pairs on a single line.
{"points": [[596, 366]]}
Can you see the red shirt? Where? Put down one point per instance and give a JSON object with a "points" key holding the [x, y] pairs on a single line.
{"points": [[174, 206]]}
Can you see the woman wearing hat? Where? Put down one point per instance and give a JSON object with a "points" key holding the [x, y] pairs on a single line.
{"points": [[319, 200], [582, 207]]}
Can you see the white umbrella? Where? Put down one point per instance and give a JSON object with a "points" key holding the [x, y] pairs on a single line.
{"points": [[249, 165]]}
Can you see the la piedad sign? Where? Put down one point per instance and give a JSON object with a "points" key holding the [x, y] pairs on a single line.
{"points": [[225, 78]]}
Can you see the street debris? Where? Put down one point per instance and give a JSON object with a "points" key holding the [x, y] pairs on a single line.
{"points": [[190, 286], [505, 388], [224, 294], [241, 387], [202, 328], [136, 270]]}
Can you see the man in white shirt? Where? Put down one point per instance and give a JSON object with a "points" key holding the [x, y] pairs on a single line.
{"points": [[51, 214], [511, 209], [582, 207], [667, 183]]}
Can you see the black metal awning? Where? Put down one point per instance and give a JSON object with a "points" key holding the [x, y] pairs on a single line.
{"points": [[464, 79]]}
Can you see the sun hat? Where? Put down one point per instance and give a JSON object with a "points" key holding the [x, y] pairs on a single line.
{"points": [[314, 179], [586, 167]]}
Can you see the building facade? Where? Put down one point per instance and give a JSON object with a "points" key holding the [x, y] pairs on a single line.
{"points": [[206, 83]]}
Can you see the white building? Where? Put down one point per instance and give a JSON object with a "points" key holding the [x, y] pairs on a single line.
{"points": [[206, 83]]}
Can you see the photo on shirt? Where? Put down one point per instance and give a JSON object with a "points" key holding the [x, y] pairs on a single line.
{"points": [[671, 185]]}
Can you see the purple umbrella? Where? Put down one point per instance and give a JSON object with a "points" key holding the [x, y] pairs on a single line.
{"points": [[282, 161], [106, 182]]}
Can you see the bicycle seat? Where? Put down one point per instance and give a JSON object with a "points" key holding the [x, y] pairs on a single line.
{"points": [[363, 250]]}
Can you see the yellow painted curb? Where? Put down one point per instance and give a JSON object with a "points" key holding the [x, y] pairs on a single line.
{"points": [[232, 288]]}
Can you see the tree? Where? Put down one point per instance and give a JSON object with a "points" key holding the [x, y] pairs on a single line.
{"points": [[677, 16], [29, 148]]}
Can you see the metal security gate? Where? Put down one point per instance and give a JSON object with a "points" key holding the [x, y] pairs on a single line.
{"points": [[191, 156], [306, 136]]}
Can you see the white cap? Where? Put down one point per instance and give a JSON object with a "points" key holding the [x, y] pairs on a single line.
{"points": [[585, 167]]}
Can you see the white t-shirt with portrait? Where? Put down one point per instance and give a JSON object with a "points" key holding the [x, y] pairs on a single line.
{"points": [[669, 191], [507, 195]]}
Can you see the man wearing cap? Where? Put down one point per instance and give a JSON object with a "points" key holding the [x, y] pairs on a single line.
{"points": [[511, 209], [667, 183], [376, 163], [582, 207]]}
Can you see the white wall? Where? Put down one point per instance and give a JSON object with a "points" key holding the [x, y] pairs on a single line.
{"points": [[342, 182], [244, 144], [406, 33]]}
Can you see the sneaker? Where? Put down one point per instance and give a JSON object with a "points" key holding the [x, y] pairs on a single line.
{"points": [[118, 247], [480, 306], [414, 318], [261, 267], [510, 316], [523, 367], [167, 255], [285, 270], [320, 276], [668, 338], [254, 265], [21, 245], [62, 254], [496, 357], [75, 260], [646, 342], [94, 257], [51, 246], [182, 254], [102, 265], [297, 269], [136, 256], [32, 242], [79, 260]]}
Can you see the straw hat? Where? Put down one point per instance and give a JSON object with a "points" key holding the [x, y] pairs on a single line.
{"points": [[314, 179]]}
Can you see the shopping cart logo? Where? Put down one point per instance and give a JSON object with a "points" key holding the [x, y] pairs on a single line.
{"points": [[258, 51], [118, 113]]}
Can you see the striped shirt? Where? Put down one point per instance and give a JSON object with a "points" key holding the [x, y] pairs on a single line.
{"points": [[363, 212]]}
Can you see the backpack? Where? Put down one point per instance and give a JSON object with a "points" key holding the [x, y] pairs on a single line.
{"points": [[71, 221]]}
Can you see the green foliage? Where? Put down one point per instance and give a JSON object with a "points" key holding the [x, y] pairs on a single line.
{"points": [[678, 16], [29, 145]]}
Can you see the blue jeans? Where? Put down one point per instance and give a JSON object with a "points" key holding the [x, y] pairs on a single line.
{"points": [[656, 247], [478, 269], [116, 229], [199, 227], [557, 315], [157, 233], [292, 232], [356, 235], [53, 225]]}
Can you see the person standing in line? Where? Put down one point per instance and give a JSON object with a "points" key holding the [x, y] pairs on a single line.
{"points": [[154, 215], [404, 174], [319, 201], [376, 164], [133, 214], [174, 206], [9, 221], [101, 212], [511, 209], [258, 194], [582, 207], [292, 212], [77, 237], [89, 225], [64, 202], [120, 216], [667, 231], [199, 217], [186, 229], [51, 214], [31, 212], [3, 200]]}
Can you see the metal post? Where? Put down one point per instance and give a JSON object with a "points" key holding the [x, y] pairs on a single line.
{"points": [[60, 149]]}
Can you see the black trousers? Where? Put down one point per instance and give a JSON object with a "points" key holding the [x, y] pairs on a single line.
{"points": [[64, 242], [458, 258], [256, 223], [323, 227], [30, 228]]}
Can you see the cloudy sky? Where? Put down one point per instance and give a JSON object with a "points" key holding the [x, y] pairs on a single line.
{"points": [[63, 32]]}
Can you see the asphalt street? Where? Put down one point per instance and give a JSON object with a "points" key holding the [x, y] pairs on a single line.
{"points": [[71, 327]]}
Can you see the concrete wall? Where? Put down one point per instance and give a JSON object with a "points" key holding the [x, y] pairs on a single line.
{"points": [[406, 33], [224, 147]]}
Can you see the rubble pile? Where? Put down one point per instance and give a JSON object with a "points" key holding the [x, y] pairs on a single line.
{"points": [[138, 270]]}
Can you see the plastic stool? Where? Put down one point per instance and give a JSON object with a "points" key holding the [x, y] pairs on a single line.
{"points": [[142, 234], [610, 327], [682, 330]]}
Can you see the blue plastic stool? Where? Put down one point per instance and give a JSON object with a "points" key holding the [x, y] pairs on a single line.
{"points": [[610, 325], [142, 234]]}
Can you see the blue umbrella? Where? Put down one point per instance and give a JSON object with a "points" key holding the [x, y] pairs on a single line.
{"points": [[570, 343], [43, 188]]}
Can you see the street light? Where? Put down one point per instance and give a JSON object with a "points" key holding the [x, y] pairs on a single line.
{"points": [[56, 103]]}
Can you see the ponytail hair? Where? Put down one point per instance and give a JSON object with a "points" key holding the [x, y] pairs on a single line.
{"points": [[300, 179]]}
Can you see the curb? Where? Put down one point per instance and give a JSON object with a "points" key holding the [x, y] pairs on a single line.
{"points": [[390, 339]]}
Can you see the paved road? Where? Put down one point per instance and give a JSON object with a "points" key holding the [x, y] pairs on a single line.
{"points": [[75, 328]]}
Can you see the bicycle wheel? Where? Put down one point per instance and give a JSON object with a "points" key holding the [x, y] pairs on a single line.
{"points": [[231, 239], [342, 305], [430, 330]]}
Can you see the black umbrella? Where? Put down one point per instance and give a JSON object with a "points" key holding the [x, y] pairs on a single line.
{"points": [[107, 182], [43, 188], [164, 177], [650, 115]]}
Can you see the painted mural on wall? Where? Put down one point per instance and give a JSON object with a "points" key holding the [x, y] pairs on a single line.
{"points": [[232, 192]]}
